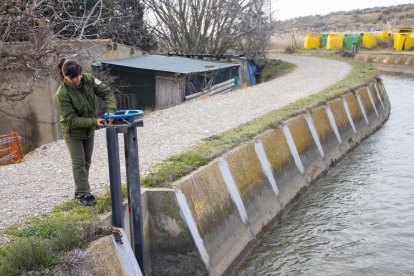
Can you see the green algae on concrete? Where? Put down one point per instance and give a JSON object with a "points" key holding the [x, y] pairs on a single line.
{"points": [[380, 59], [259, 199], [410, 61], [391, 59], [338, 110], [380, 90], [300, 133], [374, 94], [276, 148], [363, 93], [207, 197], [401, 60], [245, 168], [354, 109], [321, 122], [162, 200]]}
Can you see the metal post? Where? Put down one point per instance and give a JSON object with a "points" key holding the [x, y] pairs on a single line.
{"points": [[114, 177], [134, 194], [354, 48], [128, 128]]}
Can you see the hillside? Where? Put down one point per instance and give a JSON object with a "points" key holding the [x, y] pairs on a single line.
{"points": [[372, 19]]}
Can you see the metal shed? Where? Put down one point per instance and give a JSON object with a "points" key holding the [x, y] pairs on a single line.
{"points": [[154, 81]]}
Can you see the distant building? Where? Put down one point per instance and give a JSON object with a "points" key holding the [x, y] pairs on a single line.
{"points": [[154, 81]]}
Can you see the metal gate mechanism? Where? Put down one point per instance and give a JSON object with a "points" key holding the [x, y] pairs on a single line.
{"points": [[126, 122]]}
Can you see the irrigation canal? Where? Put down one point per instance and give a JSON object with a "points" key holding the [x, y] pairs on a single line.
{"points": [[359, 219]]}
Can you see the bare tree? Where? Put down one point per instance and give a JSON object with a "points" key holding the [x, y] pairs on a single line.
{"points": [[257, 28], [78, 19], [34, 36], [211, 26]]}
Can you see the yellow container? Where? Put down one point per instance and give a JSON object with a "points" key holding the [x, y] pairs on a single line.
{"points": [[399, 40], [409, 41], [404, 39], [312, 41], [335, 41], [385, 36], [369, 41], [405, 30]]}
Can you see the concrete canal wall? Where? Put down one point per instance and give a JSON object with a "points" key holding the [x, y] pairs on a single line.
{"points": [[387, 58], [205, 222], [398, 63]]}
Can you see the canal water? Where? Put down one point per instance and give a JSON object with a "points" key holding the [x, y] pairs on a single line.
{"points": [[359, 219]]}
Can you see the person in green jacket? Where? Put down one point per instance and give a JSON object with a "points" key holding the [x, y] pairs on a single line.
{"points": [[75, 100]]}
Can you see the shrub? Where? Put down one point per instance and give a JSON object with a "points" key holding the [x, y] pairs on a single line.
{"points": [[40, 249], [41, 243]]}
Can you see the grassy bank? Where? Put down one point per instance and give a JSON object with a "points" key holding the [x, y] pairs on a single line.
{"points": [[41, 243], [275, 68]]}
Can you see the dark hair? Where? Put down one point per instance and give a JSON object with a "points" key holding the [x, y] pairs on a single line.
{"points": [[69, 68]]}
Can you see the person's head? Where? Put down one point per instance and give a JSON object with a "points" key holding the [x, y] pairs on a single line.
{"points": [[70, 71]]}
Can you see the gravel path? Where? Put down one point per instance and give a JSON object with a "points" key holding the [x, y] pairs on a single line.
{"points": [[44, 179]]}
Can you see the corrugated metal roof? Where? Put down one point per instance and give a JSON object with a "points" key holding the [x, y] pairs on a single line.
{"points": [[169, 64]]}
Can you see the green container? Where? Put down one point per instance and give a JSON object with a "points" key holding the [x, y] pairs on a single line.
{"points": [[351, 38], [324, 38], [360, 36]]}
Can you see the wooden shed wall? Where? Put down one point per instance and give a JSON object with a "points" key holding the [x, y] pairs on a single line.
{"points": [[169, 90]]}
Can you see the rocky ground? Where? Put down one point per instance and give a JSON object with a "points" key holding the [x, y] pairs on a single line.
{"points": [[44, 179]]}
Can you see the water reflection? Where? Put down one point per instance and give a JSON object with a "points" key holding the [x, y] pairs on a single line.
{"points": [[359, 219]]}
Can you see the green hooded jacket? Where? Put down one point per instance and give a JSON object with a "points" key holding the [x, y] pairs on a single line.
{"points": [[77, 106]]}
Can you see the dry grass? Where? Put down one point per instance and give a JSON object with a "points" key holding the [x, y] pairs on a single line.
{"points": [[279, 43], [379, 18]]}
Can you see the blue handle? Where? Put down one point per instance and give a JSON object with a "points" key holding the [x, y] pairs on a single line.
{"points": [[123, 114]]}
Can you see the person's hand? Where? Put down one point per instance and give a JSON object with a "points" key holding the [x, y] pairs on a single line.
{"points": [[110, 120], [100, 122]]}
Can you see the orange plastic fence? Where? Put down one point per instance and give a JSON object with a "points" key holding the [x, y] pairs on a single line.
{"points": [[10, 148]]}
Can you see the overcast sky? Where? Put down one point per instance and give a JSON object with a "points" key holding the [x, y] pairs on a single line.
{"points": [[285, 9]]}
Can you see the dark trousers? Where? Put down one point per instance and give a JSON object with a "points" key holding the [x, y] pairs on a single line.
{"points": [[80, 151]]}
